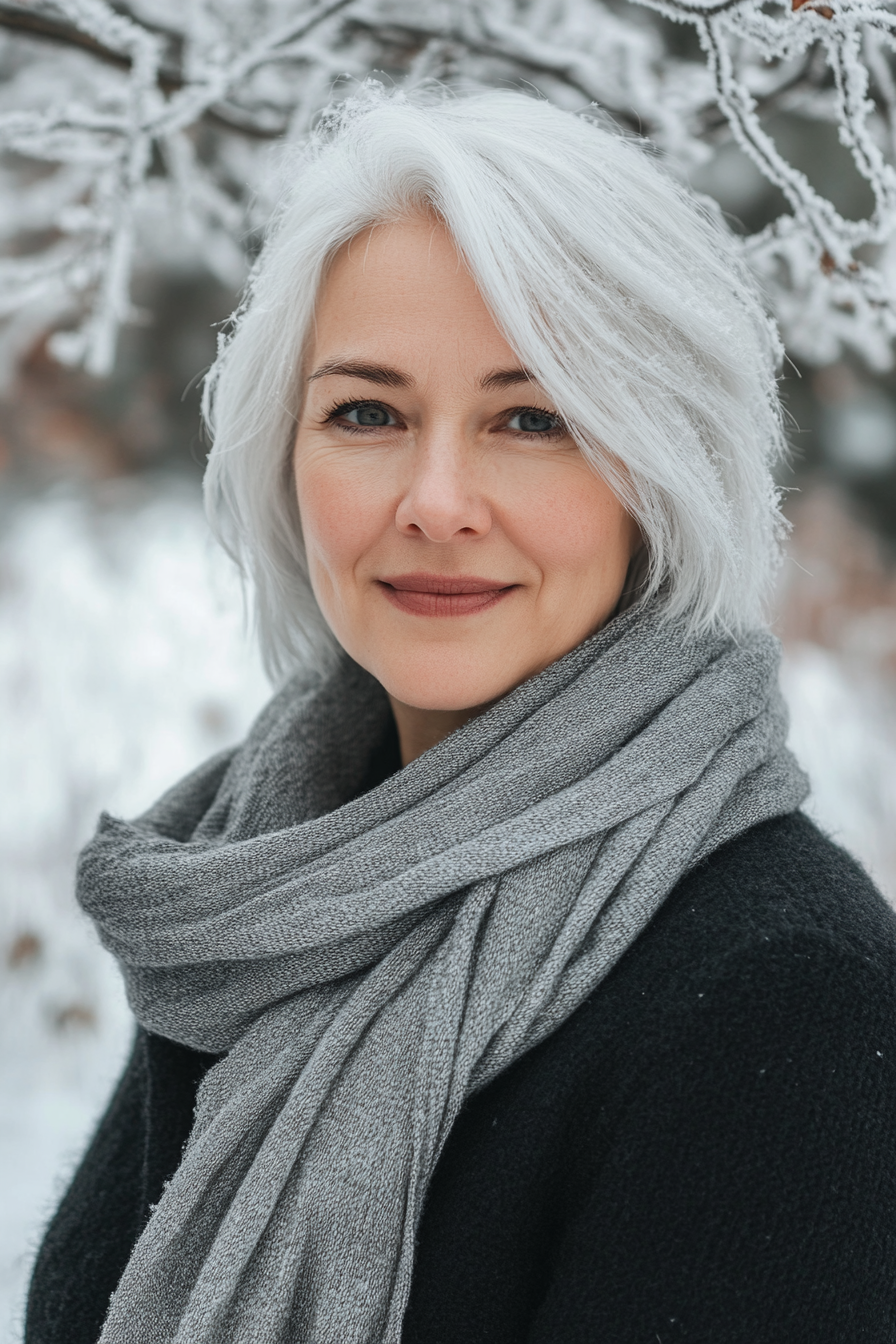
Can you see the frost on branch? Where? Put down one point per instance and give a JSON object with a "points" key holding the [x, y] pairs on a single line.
{"points": [[146, 137]]}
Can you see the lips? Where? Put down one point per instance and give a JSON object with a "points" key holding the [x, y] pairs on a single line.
{"points": [[443, 594]]}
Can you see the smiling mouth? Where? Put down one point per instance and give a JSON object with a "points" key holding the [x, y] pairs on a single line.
{"points": [[443, 595]]}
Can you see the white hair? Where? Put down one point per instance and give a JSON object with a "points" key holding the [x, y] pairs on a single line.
{"points": [[624, 295]]}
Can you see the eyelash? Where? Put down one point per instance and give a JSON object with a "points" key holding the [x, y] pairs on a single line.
{"points": [[342, 408]]}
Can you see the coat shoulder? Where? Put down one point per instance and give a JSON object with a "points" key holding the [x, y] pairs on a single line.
{"points": [[784, 880]]}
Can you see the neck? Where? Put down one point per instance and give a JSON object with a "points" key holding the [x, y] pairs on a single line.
{"points": [[420, 729]]}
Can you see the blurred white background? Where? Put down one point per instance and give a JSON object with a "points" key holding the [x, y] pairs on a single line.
{"points": [[123, 662]]}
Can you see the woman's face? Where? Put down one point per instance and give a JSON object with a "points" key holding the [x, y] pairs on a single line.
{"points": [[457, 540]]}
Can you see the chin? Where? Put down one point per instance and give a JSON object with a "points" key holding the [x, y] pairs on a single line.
{"points": [[443, 679]]}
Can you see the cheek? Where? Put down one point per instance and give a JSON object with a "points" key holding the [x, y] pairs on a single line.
{"points": [[574, 525], [342, 511]]}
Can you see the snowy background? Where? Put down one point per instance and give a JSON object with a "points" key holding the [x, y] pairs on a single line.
{"points": [[123, 662]]}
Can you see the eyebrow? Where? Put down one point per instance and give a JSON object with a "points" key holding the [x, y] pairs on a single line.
{"points": [[371, 373], [505, 378], [388, 376]]}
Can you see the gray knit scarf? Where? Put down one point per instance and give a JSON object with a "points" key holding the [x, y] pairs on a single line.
{"points": [[369, 962]]}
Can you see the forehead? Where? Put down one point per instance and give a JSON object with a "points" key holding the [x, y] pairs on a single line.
{"points": [[419, 242], [402, 287]]}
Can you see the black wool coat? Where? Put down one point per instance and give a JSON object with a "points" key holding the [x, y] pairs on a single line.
{"points": [[704, 1152]]}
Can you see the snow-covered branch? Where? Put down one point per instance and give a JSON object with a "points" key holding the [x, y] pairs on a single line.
{"points": [[142, 136]]}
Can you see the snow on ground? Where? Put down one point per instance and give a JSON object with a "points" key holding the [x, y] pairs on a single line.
{"points": [[843, 731], [123, 662]]}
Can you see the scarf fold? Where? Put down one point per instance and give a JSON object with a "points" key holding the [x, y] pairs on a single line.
{"points": [[369, 962]]}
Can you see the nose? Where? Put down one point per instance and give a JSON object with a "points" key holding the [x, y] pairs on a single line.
{"points": [[443, 501]]}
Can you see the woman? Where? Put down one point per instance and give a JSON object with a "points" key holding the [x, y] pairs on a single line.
{"points": [[516, 999]]}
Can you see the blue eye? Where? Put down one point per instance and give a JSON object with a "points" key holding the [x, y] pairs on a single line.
{"points": [[534, 422], [369, 414]]}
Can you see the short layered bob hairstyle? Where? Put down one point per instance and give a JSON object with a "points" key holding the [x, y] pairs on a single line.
{"points": [[624, 295]]}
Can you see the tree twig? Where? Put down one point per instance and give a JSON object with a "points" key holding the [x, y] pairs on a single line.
{"points": [[17, 19]]}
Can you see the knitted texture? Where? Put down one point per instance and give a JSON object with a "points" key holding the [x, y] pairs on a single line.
{"points": [[704, 1151], [368, 965]]}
